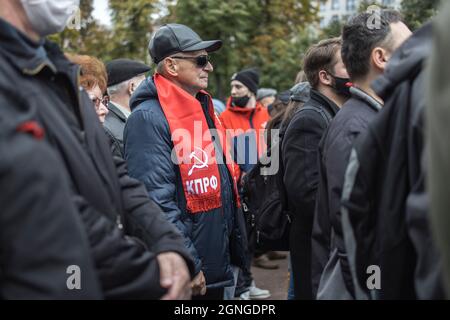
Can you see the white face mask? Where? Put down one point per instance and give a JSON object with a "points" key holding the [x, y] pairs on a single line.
{"points": [[49, 16]]}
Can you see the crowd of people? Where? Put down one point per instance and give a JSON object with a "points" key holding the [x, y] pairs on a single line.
{"points": [[141, 180]]}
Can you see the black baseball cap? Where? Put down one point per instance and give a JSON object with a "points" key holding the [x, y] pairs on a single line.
{"points": [[172, 38]]}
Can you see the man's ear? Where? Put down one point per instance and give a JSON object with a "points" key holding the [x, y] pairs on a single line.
{"points": [[379, 58], [171, 67], [325, 78], [131, 87]]}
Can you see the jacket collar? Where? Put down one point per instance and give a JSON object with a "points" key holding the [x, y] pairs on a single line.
{"points": [[114, 109], [318, 99], [28, 56], [239, 110], [363, 96]]}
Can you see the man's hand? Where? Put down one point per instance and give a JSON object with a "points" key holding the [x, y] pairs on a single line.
{"points": [[199, 285], [174, 276]]}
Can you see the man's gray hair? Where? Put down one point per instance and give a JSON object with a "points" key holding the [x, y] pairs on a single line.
{"points": [[118, 88], [160, 67], [122, 86]]}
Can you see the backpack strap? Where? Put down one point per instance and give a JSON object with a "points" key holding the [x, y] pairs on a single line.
{"points": [[325, 114]]}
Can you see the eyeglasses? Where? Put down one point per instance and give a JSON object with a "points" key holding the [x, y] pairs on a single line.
{"points": [[200, 61], [97, 102]]}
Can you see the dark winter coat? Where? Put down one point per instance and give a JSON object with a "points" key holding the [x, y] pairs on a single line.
{"points": [[300, 149], [41, 233], [385, 210], [334, 152], [212, 238], [40, 84]]}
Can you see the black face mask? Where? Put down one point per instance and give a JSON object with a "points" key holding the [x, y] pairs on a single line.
{"points": [[240, 101], [340, 86]]}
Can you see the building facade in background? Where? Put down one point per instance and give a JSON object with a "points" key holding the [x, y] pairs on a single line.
{"points": [[331, 10]]}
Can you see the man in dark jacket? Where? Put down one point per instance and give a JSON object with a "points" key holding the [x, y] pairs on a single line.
{"points": [[384, 202], [171, 145], [40, 85], [437, 120], [40, 240], [124, 77], [365, 52], [327, 76]]}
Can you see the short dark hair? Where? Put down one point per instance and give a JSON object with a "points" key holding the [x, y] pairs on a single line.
{"points": [[358, 40], [321, 56]]}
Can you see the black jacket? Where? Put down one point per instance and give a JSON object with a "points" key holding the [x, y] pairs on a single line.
{"points": [[300, 148], [114, 125], [334, 151], [41, 233], [385, 202], [42, 86]]}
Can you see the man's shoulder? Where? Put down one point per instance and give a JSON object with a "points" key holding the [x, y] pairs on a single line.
{"points": [[150, 109], [309, 114], [150, 114], [354, 114]]}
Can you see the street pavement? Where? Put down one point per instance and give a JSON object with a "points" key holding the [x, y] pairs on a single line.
{"points": [[274, 280]]}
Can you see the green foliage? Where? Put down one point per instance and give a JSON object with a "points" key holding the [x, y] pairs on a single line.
{"points": [[364, 5], [417, 12], [89, 38], [268, 34], [334, 29], [132, 27]]}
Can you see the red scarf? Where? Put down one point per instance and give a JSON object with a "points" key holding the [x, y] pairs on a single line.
{"points": [[193, 145]]}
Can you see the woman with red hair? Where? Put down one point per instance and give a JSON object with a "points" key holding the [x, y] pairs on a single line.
{"points": [[93, 78]]}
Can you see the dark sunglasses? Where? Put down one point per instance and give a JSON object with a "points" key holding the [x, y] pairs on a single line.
{"points": [[200, 61]]}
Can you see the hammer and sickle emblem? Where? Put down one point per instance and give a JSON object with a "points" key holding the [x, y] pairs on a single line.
{"points": [[199, 163]]}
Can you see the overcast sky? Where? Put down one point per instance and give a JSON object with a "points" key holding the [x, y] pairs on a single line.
{"points": [[101, 11]]}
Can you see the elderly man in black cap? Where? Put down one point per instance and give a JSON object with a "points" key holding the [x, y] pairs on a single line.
{"points": [[191, 176], [124, 76]]}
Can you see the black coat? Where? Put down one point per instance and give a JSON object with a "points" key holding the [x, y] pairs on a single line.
{"points": [[114, 125], [334, 151], [41, 233], [300, 148], [385, 204], [44, 87]]}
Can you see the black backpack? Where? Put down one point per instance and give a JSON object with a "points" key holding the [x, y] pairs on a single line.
{"points": [[268, 223], [264, 198]]}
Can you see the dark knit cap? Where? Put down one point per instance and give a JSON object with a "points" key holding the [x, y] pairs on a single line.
{"points": [[120, 70], [249, 77]]}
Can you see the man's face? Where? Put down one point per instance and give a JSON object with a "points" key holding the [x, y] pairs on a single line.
{"points": [[400, 33], [339, 68], [238, 89], [190, 75]]}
